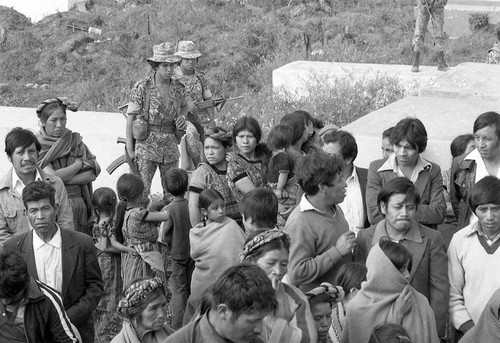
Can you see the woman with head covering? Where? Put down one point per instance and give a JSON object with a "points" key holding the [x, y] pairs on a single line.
{"points": [[247, 169], [212, 174], [292, 320], [387, 297], [144, 311], [65, 155]]}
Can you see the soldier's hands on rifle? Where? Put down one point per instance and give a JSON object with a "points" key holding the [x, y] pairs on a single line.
{"points": [[192, 106]]}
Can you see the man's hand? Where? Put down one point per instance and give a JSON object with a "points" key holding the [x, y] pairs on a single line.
{"points": [[346, 243]]}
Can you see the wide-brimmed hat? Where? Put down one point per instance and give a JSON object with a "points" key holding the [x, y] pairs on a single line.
{"points": [[164, 52], [187, 49]]}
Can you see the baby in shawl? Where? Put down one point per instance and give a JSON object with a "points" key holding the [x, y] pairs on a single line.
{"points": [[387, 297]]}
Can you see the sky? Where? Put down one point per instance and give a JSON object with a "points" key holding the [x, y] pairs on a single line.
{"points": [[36, 9]]}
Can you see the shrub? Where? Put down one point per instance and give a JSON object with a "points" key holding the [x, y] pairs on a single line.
{"points": [[478, 21]]}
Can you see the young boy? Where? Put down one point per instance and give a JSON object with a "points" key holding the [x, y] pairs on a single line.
{"points": [[259, 209], [175, 233]]}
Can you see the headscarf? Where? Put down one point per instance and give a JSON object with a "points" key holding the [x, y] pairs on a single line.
{"points": [[219, 135], [261, 239], [136, 293], [72, 106]]}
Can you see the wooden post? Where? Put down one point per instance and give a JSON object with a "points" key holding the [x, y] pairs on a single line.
{"points": [[149, 26]]}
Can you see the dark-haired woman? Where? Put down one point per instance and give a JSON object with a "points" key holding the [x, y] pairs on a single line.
{"points": [[216, 244], [65, 155], [213, 174], [409, 138], [247, 169], [387, 297], [144, 311], [292, 320]]}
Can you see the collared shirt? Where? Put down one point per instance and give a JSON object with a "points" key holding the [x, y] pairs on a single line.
{"points": [[48, 259], [392, 164], [477, 228], [18, 185], [413, 234], [352, 206]]}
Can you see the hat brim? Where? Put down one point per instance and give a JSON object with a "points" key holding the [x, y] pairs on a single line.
{"points": [[166, 59], [188, 54]]}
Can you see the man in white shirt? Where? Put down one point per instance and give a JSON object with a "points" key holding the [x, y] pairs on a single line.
{"points": [[22, 148], [63, 259], [343, 144]]}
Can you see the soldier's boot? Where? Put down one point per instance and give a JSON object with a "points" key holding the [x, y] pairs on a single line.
{"points": [[416, 62], [442, 66]]}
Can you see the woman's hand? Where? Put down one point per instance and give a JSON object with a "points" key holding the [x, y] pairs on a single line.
{"points": [[403, 303], [131, 251]]}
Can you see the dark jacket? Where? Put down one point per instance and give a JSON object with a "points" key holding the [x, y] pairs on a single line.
{"points": [[462, 178], [45, 319], [82, 285], [429, 271]]}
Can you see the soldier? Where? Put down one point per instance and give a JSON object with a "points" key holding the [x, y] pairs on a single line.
{"points": [[433, 10]]}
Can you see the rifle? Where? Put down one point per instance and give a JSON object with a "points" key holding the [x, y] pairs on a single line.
{"points": [[125, 158], [218, 103]]}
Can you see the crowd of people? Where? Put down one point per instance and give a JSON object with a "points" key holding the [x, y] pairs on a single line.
{"points": [[279, 241]]}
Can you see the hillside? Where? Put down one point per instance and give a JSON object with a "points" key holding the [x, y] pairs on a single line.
{"points": [[242, 42]]}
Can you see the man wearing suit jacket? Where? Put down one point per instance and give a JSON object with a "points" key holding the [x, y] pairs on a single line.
{"points": [[343, 144], [63, 259], [398, 202]]}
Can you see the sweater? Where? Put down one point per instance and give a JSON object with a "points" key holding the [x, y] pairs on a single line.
{"points": [[313, 256], [473, 275]]}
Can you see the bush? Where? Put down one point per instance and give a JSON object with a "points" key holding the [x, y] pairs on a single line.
{"points": [[478, 21]]}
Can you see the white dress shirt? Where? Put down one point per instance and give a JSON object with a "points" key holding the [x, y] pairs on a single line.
{"points": [[352, 206], [48, 259], [19, 185]]}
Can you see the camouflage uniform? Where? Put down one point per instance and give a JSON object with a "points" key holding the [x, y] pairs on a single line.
{"points": [[433, 10], [159, 149], [494, 54]]}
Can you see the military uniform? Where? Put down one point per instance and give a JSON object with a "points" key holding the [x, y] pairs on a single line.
{"points": [[433, 10]]}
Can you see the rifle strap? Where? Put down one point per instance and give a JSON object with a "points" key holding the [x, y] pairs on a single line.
{"points": [[146, 103], [203, 83]]}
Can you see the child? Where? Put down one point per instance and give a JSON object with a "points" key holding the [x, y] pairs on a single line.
{"points": [[137, 228], [175, 233], [280, 174], [321, 300], [108, 254], [349, 277], [389, 333], [216, 244]]}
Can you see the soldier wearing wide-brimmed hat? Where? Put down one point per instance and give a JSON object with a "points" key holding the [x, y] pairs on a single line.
{"points": [[160, 101], [195, 82]]}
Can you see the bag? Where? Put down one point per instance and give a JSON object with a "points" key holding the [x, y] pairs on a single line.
{"points": [[140, 124], [140, 128]]}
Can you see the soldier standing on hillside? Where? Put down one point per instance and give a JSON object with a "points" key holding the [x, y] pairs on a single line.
{"points": [[433, 10]]}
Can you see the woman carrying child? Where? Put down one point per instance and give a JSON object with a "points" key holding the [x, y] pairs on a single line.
{"points": [[108, 254], [137, 228], [216, 244]]}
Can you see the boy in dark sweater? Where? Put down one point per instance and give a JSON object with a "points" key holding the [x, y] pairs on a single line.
{"points": [[175, 233]]}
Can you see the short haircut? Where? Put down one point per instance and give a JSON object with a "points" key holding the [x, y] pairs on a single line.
{"points": [[347, 143], [280, 243], [208, 197], [485, 191], [413, 130], [297, 121], [316, 169], [389, 333], [104, 199], [14, 276], [397, 254], [399, 185], [280, 137], [244, 288], [261, 205], [250, 124], [177, 182], [487, 119], [19, 137], [459, 144], [387, 132], [39, 190], [350, 275]]}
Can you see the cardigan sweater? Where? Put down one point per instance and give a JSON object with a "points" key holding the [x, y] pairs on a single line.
{"points": [[473, 274], [313, 256]]}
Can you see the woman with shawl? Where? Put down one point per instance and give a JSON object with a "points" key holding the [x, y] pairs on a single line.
{"points": [[387, 297], [65, 155]]}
